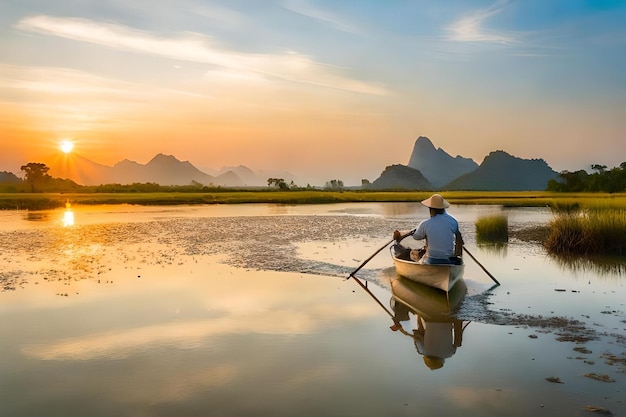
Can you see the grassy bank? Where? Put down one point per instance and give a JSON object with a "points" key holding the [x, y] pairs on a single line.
{"points": [[38, 201]]}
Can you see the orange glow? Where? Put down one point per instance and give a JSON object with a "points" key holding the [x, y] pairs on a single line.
{"points": [[68, 218], [66, 146]]}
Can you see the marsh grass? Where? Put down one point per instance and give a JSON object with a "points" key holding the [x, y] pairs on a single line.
{"points": [[588, 232], [492, 229], [557, 201]]}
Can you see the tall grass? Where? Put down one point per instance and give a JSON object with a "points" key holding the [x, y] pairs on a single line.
{"points": [[588, 232], [558, 201], [492, 229]]}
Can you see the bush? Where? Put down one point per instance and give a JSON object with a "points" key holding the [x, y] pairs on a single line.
{"points": [[492, 229], [588, 233]]}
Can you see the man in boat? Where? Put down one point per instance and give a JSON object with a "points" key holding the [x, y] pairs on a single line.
{"points": [[444, 243]]}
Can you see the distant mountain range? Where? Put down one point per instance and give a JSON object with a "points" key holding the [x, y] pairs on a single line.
{"points": [[162, 169], [434, 169], [429, 168]]}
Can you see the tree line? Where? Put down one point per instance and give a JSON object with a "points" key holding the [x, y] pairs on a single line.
{"points": [[600, 180]]}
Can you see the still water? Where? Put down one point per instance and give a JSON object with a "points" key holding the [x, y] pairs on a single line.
{"points": [[245, 310]]}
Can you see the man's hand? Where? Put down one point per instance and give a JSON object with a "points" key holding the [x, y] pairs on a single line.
{"points": [[396, 235]]}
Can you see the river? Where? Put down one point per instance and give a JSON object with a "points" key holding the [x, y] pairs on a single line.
{"points": [[245, 310]]}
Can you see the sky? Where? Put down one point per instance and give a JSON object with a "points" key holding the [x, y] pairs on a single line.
{"points": [[324, 89]]}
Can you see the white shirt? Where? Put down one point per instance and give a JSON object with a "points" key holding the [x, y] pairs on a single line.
{"points": [[439, 232]]}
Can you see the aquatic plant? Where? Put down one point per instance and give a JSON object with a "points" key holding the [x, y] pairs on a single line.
{"points": [[592, 231], [492, 229]]}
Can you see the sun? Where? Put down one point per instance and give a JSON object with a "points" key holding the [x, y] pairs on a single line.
{"points": [[66, 146]]}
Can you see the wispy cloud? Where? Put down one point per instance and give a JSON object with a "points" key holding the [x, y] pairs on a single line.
{"points": [[306, 9], [219, 15], [472, 27], [191, 334], [289, 66]]}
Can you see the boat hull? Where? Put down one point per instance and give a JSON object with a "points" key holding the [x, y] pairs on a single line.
{"points": [[443, 277]]}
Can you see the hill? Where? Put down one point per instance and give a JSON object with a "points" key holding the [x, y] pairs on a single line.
{"points": [[162, 169], [9, 178], [501, 171], [252, 178], [400, 177], [436, 164]]}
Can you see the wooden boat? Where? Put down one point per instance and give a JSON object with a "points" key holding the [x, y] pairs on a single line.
{"points": [[443, 276]]}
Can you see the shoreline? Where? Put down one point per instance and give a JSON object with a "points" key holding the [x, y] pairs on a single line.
{"points": [[43, 201]]}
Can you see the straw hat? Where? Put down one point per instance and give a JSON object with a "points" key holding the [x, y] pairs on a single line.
{"points": [[436, 201], [433, 362]]}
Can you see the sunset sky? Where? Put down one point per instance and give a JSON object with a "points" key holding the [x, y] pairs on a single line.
{"points": [[325, 89]]}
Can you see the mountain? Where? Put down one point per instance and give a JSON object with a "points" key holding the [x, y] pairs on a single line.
{"points": [[9, 178], [400, 177], [245, 174], [436, 164], [162, 169], [251, 178], [501, 171]]}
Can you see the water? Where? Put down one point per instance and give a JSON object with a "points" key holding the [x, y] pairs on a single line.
{"points": [[245, 310]]}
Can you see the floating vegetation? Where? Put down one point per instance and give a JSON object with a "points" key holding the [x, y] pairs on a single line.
{"points": [[492, 229], [598, 410], [599, 377]]}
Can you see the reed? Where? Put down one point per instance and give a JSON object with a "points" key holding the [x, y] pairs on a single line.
{"points": [[559, 201], [492, 229], [588, 232]]}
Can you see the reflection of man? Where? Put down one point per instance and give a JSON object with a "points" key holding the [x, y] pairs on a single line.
{"points": [[434, 340], [437, 340]]}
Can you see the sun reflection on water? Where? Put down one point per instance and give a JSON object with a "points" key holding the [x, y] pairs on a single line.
{"points": [[68, 215]]}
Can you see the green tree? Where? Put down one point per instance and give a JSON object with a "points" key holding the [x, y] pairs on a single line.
{"points": [[334, 185], [278, 182], [36, 173]]}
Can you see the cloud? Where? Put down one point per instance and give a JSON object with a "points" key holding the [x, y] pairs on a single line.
{"points": [[194, 47], [190, 334], [471, 28], [306, 9], [219, 15]]}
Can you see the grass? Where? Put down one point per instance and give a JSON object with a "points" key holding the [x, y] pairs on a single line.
{"points": [[38, 201], [492, 229], [584, 223], [588, 232]]}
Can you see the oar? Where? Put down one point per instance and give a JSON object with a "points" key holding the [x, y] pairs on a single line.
{"points": [[367, 290], [365, 286], [479, 264], [369, 259], [383, 247]]}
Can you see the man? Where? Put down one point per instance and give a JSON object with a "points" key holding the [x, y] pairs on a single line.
{"points": [[444, 243]]}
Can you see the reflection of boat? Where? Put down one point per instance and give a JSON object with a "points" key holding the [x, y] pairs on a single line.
{"points": [[437, 333], [443, 276], [431, 303]]}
